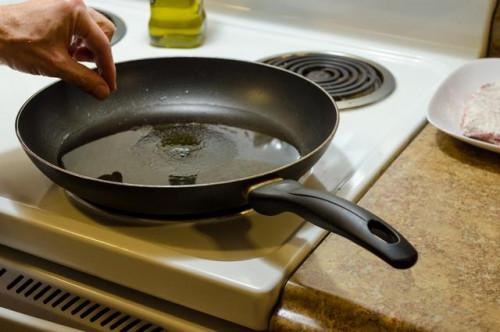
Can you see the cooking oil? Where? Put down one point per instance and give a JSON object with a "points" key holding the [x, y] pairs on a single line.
{"points": [[177, 23], [178, 154]]}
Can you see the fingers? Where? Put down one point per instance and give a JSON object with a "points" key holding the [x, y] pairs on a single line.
{"points": [[83, 54], [88, 80], [103, 22], [78, 50], [97, 42]]}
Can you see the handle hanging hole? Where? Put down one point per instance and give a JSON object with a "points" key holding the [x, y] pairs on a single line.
{"points": [[382, 231]]}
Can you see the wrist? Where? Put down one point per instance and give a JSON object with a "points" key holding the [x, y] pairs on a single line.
{"points": [[5, 35], [9, 24]]}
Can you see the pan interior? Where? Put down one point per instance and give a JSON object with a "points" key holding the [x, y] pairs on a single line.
{"points": [[176, 154]]}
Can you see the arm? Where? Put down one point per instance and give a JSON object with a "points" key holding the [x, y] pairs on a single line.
{"points": [[48, 37]]}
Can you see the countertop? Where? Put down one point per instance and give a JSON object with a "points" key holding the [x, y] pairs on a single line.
{"points": [[444, 196]]}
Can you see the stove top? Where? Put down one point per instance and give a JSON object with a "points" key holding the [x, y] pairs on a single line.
{"points": [[230, 267]]}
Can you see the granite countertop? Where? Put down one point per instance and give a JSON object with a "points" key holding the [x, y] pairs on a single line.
{"points": [[444, 196]]}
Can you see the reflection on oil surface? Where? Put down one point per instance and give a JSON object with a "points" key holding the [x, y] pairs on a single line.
{"points": [[179, 154]]}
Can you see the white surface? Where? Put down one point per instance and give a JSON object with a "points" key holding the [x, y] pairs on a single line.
{"points": [[233, 269], [14, 321], [172, 317], [447, 104], [457, 26]]}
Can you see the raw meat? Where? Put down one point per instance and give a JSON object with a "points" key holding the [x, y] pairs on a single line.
{"points": [[481, 117]]}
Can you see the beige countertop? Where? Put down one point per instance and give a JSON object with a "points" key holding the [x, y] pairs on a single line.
{"points": [[444, 196]]}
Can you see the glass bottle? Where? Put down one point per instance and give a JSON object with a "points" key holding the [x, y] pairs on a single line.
{"points": [[177, 23]]}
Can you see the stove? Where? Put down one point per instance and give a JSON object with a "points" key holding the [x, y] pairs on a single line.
{"points": [[107, 272]]}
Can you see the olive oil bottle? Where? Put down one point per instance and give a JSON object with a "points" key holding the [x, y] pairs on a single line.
{"points": [[177, 23]]}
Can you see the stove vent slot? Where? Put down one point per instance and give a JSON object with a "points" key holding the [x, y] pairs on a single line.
{"points": [[95, 315], [15, 282]]}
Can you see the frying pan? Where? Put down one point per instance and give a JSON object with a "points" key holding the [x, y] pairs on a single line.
{"points": [[241, 94]]}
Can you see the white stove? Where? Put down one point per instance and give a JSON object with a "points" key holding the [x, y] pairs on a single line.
{"points": [[225, 273]]}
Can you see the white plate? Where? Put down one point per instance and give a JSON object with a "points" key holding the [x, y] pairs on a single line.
{"points": [[446, 106]]}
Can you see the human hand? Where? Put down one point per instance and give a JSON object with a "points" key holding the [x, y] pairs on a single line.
{"points": [[48, 37]]}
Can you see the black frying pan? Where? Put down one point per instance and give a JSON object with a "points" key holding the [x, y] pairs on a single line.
{"points": [[209, 91]]}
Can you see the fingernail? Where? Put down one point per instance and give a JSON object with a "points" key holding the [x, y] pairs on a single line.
{"points": [[101, 91]]}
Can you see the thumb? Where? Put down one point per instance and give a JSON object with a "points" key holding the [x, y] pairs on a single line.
{"points": [[81, 76]]}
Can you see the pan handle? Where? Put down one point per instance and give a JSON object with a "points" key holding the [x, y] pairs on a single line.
{"points": [[336, 215]]}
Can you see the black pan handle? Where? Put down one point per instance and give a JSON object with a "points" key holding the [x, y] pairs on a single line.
{"points": [[336, 215]]}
